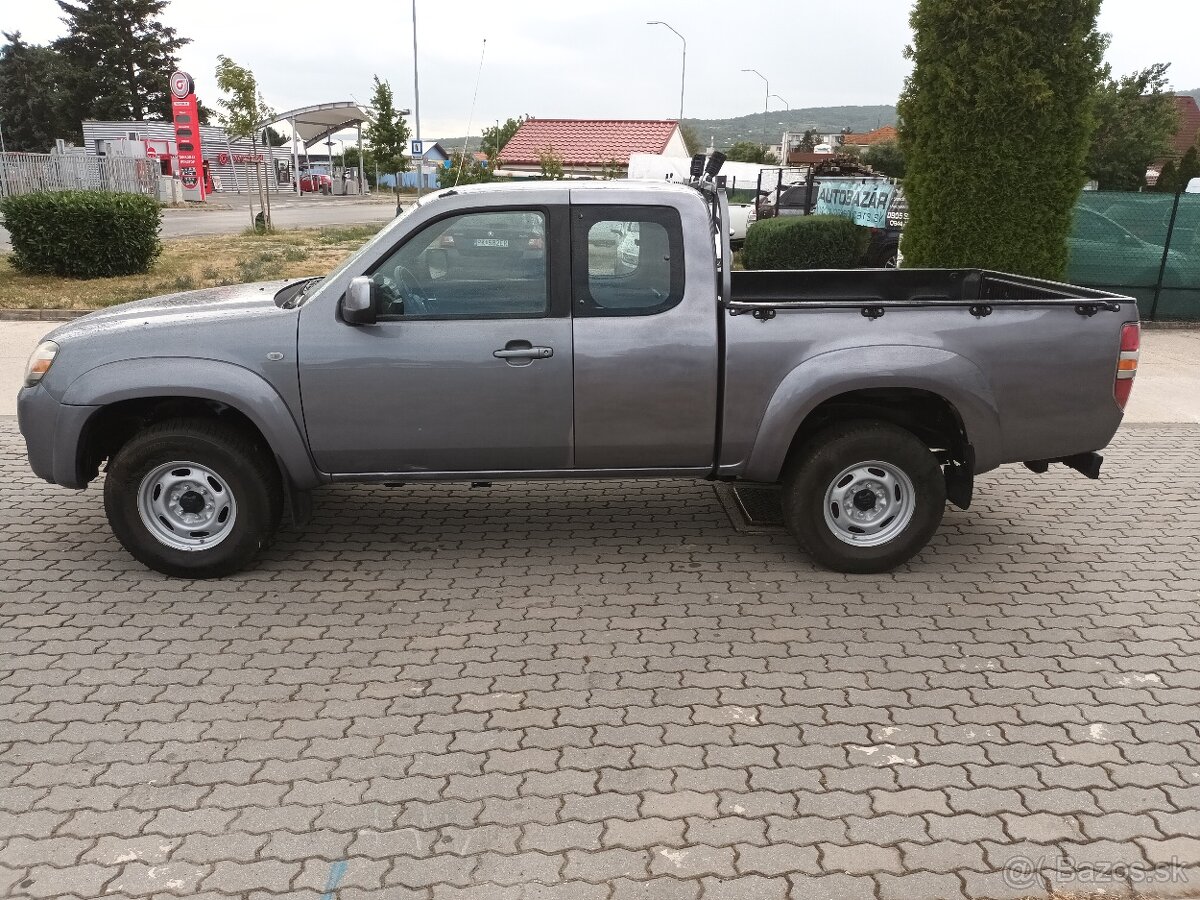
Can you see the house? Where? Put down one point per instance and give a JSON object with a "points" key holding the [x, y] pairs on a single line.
{"points": [[1187, 136], [878, 136], [588, 147]]}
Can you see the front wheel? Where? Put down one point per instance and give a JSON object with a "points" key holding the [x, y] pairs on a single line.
{"points": [[864, 497], [193, 498]]}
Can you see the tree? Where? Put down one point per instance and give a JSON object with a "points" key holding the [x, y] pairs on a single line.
{"points": [[1136, 118], [996, 119], [552, 164], [464, 170], [119, 59], [886, 158], [496, 136], [244, 108], [272, 138], [808, 143], [1168, 178], [368, 162], [389, 132], [31, 98], [692, 140], [1189, 167], [748, 151], [612, 170]]}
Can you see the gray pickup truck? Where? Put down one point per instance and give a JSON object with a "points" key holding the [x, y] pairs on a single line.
{"points": [[561, 330]]}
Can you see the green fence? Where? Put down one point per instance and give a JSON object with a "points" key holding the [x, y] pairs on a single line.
{"points": [[1144, 245]]}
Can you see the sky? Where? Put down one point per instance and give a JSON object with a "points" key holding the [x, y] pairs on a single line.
{"points": [[558, 58]]}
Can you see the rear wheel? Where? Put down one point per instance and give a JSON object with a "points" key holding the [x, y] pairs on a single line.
{"points": [[193, 498], [864, 496]]}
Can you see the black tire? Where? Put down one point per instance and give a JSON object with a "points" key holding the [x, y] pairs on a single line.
{"points": [[815, 466], [244, 465]]}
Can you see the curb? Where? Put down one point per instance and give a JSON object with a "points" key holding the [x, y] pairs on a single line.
{"points": [[42, 315]]}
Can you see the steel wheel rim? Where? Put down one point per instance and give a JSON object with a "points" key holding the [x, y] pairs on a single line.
{"points": [[869, 503], [186, 506]]}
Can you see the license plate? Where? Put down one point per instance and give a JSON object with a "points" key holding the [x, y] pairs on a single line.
{"points": [[491, 242]]}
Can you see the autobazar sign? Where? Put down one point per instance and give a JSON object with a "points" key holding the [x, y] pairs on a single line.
{"points": [[866, 202]]}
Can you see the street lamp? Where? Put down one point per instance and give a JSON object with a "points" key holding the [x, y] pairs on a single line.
{"points": [[781, 100], [683, 68], [766, 97]]}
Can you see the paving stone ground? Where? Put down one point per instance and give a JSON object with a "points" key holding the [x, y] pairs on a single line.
{"points": [[605, 691]]}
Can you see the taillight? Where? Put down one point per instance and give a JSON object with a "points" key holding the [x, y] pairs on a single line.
{"points": [[1127, 363]]}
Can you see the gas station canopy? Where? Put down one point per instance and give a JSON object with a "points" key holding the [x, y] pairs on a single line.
{"points": [[313, 124]]}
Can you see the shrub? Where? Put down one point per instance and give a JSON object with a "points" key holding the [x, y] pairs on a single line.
{"points": [[805, 242], [82, 234]]}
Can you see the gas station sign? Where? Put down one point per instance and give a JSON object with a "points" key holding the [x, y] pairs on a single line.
{"points": [[185, 112]]}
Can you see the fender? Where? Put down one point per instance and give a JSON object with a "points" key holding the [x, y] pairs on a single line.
{"points": [[826, 375], [204, 379]]}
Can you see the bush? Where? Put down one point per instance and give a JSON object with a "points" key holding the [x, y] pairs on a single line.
{"points": [[805, 242], [82, 234]]}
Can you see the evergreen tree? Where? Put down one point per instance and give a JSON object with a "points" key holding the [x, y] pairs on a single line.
{"points": [[388, 133], [31, 99], [996, 119], [1168, 178], [1189, 168], [119, 57]]}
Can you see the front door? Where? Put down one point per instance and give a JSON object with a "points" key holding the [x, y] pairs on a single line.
{"points": [[470, 366]]}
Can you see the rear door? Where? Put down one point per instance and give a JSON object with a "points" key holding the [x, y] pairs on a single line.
{"points": [[645, 329]]}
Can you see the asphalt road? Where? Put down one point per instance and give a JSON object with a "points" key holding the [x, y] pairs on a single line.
{"points": [[310, 212]]}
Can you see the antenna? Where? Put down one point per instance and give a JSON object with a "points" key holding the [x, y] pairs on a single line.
{"points": [[462, 160]]}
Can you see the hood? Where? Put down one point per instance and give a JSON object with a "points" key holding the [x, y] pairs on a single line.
{"points": [[186, 308]]}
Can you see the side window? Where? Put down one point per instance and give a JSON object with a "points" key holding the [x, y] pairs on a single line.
{"points": [[482, 265], [633, 260]]}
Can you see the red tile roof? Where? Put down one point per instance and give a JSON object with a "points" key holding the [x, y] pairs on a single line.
{"points": [[1189, 124], [587, 142], [878, 136]]}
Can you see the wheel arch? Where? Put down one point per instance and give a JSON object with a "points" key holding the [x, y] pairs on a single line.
{"points": [[135, 393], [939, 396]]}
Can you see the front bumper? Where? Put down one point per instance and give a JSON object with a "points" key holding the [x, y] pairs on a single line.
{"points": [[52, 433]]}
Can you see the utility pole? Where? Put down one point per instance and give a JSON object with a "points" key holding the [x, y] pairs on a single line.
{"points": [[416, 115]]}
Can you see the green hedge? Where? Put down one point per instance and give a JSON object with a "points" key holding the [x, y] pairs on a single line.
{"points": [[82, 234], [805, 242]]}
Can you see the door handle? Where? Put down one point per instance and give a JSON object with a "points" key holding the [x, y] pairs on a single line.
{"points": [[524, 353]]}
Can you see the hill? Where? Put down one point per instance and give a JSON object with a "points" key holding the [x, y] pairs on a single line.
{"points": [[769, 127]]}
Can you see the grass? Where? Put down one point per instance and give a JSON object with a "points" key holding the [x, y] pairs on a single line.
{"points": [[190, 263]]}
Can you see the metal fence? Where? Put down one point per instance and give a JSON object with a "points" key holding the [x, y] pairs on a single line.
{"points": [[28, 173], [1144, 245]]}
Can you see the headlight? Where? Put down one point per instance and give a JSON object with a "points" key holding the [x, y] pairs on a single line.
{"points": [[39, 362]]}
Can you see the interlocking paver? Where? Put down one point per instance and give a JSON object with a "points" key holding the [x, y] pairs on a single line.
{"points": [[602, 690]]}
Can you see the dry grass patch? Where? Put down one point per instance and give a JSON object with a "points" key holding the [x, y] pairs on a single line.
{"points": [[190, 263]]}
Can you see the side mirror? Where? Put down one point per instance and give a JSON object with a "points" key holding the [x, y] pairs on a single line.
{"points": [[358, 305]]}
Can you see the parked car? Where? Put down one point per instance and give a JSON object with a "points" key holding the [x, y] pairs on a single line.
{"points": [[316, 183], [1105, 253], [872, 397]]}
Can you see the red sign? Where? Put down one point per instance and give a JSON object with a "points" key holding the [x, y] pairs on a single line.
{"points": [[223, 158], [185, 111], [151, 152]]}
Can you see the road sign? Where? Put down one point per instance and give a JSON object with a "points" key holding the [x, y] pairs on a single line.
{"points": [[418, 148]]}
